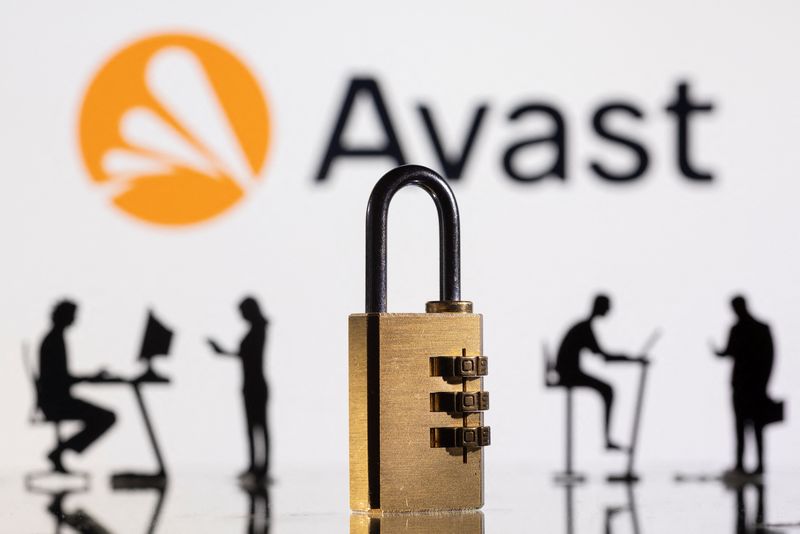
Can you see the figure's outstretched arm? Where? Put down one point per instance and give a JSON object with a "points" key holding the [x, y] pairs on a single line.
{"points": [[219, 350], [594, 346], [609, 357], [727, 351]]}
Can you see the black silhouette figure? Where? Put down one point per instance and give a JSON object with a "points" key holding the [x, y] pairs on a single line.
{"points": [[54, 395], [751, 347], [254, 391], [581, 337]]}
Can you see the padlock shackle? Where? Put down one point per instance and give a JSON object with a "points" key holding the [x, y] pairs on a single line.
{"points": [[449, 232]]}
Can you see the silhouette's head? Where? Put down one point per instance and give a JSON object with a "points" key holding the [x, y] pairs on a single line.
{"points": [[251, 311], [601, 306], [739, 305], [64, 313]]}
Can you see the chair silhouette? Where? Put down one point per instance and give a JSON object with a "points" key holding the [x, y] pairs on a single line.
{"points": [[38, 417], [553, 380]]}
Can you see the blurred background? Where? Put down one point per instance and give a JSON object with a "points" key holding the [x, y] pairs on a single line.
{"points": [[180, 156]]}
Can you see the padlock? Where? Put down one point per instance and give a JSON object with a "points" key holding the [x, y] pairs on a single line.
{"points": [[416, 379]]}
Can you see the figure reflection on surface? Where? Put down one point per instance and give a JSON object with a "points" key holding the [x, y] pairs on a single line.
{"points": [[160, 493], [259, 513], [581, 337], [54, 394], [254, 390], [743, 523], [751, 347], [77, 520], [80, 520], [612, 513]]}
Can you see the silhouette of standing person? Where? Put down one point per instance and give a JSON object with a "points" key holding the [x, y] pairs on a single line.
{"points": [[750, 345], [54, 390], [581, 337], [254, 390]]}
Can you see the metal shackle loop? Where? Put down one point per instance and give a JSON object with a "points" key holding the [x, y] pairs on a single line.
{"points": [[449, 232]]}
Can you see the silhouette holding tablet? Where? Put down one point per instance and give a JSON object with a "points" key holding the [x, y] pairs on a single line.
{"points": [[752, 350], [254, 390]]}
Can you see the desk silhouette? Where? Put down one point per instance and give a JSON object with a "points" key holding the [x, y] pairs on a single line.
{"points": [[139, 480]]}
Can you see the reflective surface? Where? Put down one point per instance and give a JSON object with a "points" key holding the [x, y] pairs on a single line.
{"points": [[518, 500]]}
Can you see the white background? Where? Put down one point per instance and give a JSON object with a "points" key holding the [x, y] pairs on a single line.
{"points": [[671, 253]]}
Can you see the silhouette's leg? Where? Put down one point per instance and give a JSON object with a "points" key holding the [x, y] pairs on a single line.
{"points": [[758, 430], [54, 456], [261, 432], [608, 397], [739, 442], [250, 435], [265, 433], [607, 394], [96, 421]]}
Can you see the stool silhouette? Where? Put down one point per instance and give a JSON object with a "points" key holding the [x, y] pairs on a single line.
{"points": [[551, 380]]}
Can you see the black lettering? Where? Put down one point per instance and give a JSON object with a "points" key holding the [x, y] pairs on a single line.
{"points": [[599, 124], [558, 169], [682, 107], [336, 149], [452, 165]]}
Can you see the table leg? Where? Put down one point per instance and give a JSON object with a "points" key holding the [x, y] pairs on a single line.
{"points": [[143, 480], [151, 434]]}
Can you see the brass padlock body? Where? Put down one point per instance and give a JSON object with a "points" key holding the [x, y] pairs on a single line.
{"points": [[393, 466]]}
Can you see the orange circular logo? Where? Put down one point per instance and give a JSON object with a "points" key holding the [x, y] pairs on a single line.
{"points": [[176, 128]]}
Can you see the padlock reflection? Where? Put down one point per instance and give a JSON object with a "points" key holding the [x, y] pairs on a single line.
{"points": [[438, 523]]}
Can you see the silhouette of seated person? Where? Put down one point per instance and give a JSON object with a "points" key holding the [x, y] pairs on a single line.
{"points": [[580, 337], [54, 386], [751, 347], [254, 390]]}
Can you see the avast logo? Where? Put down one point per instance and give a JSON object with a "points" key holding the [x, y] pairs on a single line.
{"points": [[175, 128]]}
